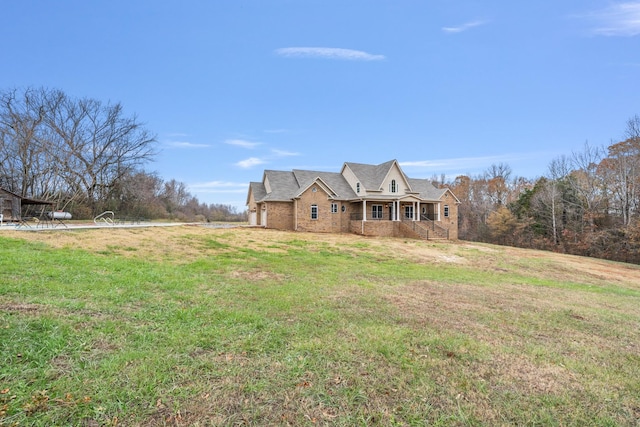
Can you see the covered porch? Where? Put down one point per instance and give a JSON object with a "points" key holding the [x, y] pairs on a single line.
{"points": [[408, 208]]}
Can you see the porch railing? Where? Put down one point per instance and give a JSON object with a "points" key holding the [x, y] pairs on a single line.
{"points": [[357, 216], [427, 228]]}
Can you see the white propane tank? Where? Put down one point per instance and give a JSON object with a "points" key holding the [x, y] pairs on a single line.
{"points": [[59, 215]]}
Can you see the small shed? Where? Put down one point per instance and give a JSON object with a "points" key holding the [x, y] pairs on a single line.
{"points": [[11, 205]]}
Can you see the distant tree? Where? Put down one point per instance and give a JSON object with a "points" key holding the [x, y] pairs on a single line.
{"points": [[174, 196], [95, 144], [621, 170], [473, 207], [502, 225], [53, 145], [138, 196], [497, 177], [587, 183], [26, 165]]}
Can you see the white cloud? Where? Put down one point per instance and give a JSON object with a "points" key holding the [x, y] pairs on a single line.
{"points": [[619, 19], [242, 143], [283, 153], [250, 162], [462, 163], [185, 144], [463, 27], [328, 53]]}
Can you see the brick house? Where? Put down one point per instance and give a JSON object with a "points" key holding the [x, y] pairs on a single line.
{"points": [[373, 200]]}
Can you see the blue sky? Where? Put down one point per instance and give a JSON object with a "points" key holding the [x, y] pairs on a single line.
{"points": [[235, 87]]}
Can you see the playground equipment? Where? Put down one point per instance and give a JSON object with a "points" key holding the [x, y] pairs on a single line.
{"points": [[106, 217]]}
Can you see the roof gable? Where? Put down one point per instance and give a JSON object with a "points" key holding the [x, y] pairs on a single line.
{"points": [[370, 177], [394, 172], [258, 190], [334, 181], [320, 183], [374, 178]]}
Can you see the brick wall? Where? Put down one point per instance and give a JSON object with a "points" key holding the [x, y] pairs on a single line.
{"points": [[327, 222], [279, 215], [374, 228], [450, 222]]}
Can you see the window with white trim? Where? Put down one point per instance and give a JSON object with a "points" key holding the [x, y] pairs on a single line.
{"points": [[393, 188], [334, 208], [376, 211], [314, 211], [446, 211], [408, 212], [357, 187]]}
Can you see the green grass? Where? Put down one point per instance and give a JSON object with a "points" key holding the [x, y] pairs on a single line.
{"points": [[303, 332]]}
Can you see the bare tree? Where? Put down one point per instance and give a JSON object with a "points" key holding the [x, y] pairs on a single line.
{"points": [[621, 169], [26, 166], [587, 182], [174, 196], [497, 177], [52, 145], [95, 145], [552, 195]]}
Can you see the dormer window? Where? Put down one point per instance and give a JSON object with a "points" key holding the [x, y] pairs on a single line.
{"points": [[358, 187], [393, 188]]}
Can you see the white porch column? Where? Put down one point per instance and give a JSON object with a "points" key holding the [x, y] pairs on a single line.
{"points": [[419, 214], [364, 210], [438, 212], [396, 205], [415, 210]]}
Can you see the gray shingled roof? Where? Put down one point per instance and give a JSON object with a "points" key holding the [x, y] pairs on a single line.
{"points": [[258, 190], [426, 189], [285, 186], [371, 176], [334, 180]]}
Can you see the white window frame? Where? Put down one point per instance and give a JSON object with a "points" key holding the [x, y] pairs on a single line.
{"points": [[314, 212], [377, 212], [446, 211], [393, 186], [408, 211], [334, 208], [357, 187]]}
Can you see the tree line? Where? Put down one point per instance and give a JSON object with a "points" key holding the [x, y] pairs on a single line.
{"points": [[88, 157], [586, 203]]}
